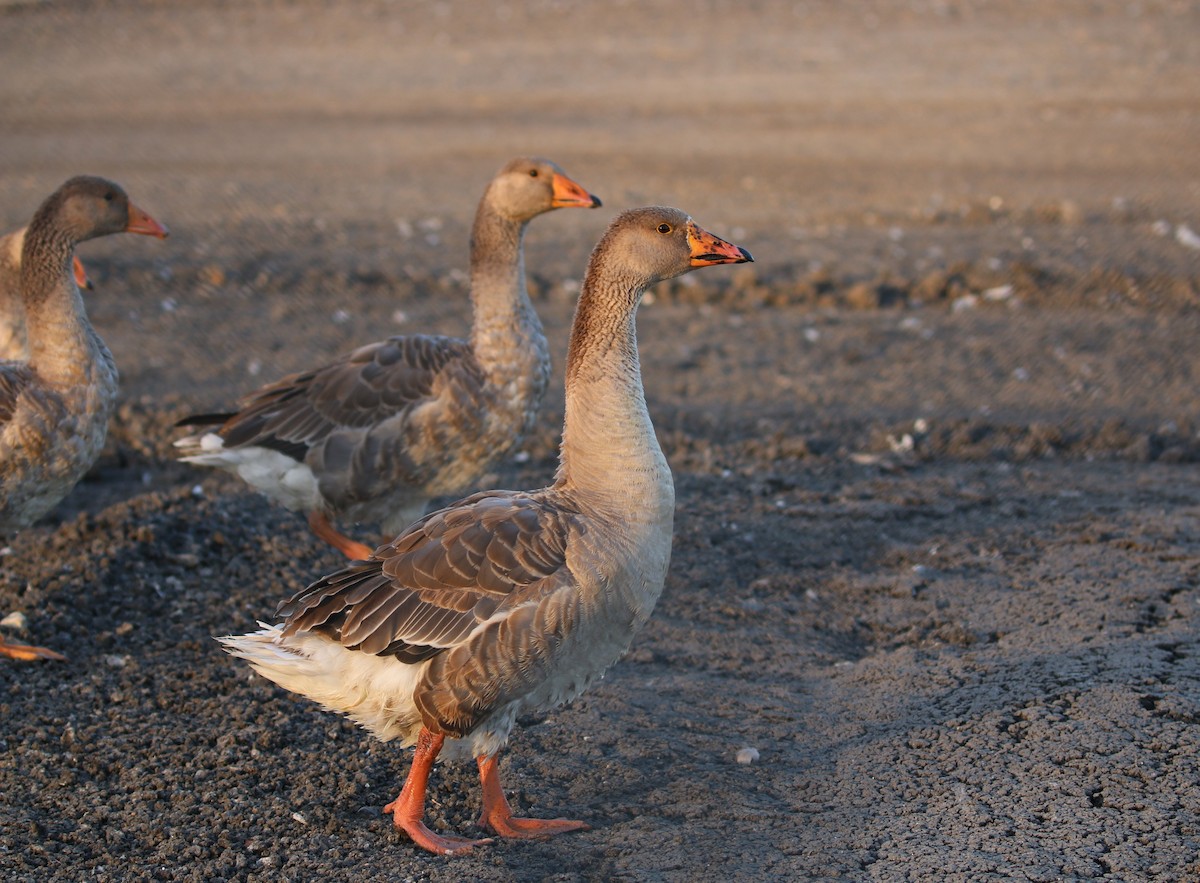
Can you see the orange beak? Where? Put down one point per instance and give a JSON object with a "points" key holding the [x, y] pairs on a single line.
{"points": [[140, 222], [568, 194], [708, 250], [81, 276]]}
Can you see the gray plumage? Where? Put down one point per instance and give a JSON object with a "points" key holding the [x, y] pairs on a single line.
{"points": [[509, 601], [374, 435], [54, 407]]}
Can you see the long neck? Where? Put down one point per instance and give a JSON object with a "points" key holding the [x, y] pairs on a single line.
{"points": [[610, 454], [506, 333], [61, 341]]}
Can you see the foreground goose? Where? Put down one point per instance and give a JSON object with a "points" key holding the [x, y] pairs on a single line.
{"points": [[54, 407], [376, 434], [13, 344], [509, 601]]}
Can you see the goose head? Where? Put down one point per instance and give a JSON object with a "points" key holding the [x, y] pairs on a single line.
{"points": [[528, 186], [658, 242], [86, 207]]}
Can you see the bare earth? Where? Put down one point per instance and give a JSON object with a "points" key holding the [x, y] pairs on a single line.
{"points": [[937, 551]]}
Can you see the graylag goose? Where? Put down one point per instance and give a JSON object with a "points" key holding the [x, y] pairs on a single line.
{"points": [[13, 344], [377, 433], [509, 601], [55, 406]]}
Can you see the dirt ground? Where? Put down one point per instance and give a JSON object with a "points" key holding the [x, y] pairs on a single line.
{"points": [[937, 553]]}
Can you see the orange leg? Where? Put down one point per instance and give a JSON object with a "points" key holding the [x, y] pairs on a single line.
{"points": [[26, 652], [497, 814], [408, 809], [320, 525]]}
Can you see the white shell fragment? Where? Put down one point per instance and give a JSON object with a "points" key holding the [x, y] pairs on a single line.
{"points": [[747, 756], [1187, 237], [15, 620]]}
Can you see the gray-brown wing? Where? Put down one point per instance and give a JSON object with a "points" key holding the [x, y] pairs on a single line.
{"points": [[430, 588], [14, 377], [370, 385]]}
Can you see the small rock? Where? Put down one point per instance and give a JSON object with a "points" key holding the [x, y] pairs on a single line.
{"points": [[15, 620], [862, 297], [1187, 237], [747, 756], [213, 275]]}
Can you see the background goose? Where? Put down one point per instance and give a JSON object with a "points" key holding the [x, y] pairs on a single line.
{"points": [[377, 433], [509, 601], [13, 344], [54, 407]]}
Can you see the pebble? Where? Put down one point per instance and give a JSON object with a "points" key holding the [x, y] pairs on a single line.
{"points": [[15, 620], [1187, 237], [747, 756]]}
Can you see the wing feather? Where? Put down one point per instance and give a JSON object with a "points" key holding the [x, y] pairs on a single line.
{"points": [[14, 378], [370, 385], [433, 586]]}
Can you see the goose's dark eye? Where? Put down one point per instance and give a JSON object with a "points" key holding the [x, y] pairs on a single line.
{"points": [[533, 173], [108, 197], [664, 228]]}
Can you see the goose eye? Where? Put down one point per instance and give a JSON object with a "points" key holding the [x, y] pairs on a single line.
{"points": [[533, 173], [664, 228], [108, 197]]}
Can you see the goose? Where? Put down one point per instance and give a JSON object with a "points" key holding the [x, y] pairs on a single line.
{"points": [[375, 434], [55, 406], [508, 602], [13, 346]]}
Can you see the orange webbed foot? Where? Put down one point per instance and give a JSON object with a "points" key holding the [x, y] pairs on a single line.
{"points": [[448, 844], [409, 807], [26, 652], [497, 815], [529, 829]]}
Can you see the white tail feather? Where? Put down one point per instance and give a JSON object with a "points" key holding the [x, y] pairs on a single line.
{"points": [[374, 691]]}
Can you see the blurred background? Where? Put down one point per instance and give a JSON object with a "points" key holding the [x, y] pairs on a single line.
{"points": [[319, 163]]}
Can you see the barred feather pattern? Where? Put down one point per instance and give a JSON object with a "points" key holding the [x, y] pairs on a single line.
{"points": [[509, 601], [376, 435], [54, 409], [12, 310]]}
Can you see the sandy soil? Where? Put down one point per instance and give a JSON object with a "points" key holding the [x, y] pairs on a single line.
{"points": [[938, 542]]}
